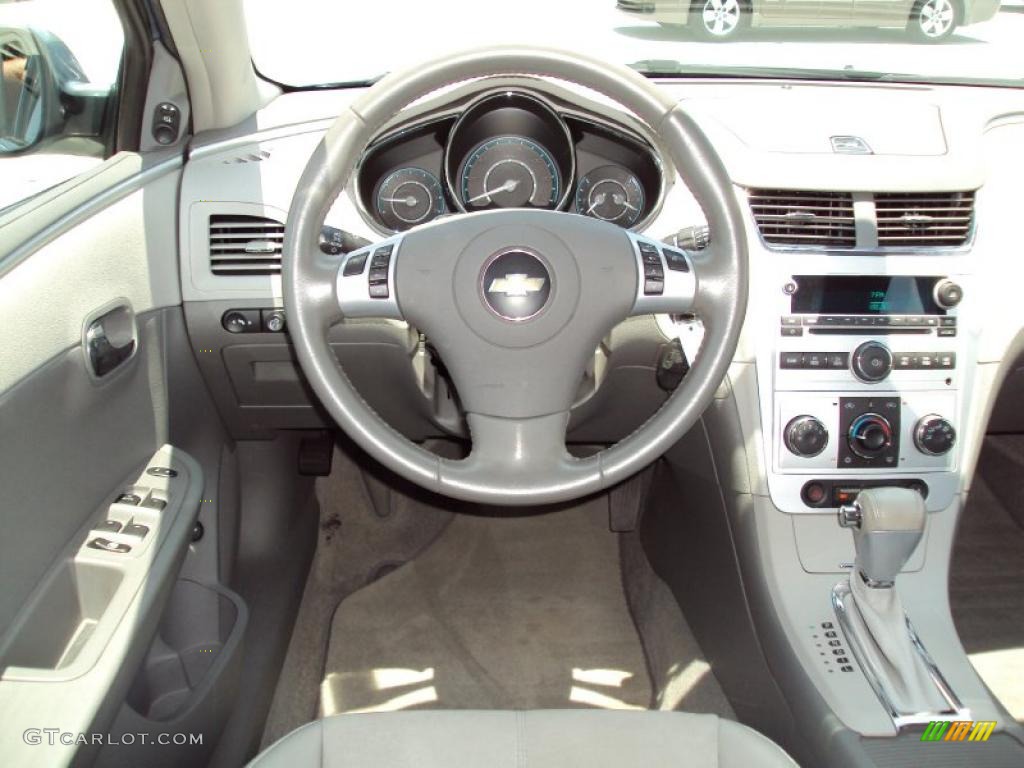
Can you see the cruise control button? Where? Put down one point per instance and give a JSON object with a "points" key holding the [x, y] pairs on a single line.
{"points": [[378, 275], [379, 291]]}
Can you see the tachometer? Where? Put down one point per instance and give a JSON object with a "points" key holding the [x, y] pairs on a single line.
{"points": [[509, 172], [611, 193], [409, 196]]}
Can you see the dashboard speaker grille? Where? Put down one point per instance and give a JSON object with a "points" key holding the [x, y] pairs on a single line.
{"points": [[797, 217], [928, 219], [245, 245]]}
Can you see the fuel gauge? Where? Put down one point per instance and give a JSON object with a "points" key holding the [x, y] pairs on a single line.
{"points": [[611, 193]]}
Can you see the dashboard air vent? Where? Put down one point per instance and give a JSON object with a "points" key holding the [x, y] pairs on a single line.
{"points": [[797, 217], [245, 245], [927, 219]]}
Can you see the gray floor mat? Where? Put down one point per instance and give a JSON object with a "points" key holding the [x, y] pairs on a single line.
{"points": [[498, 613], [986, 590]]}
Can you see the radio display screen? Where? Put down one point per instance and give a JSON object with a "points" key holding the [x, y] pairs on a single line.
{"points": [[864, 295]]}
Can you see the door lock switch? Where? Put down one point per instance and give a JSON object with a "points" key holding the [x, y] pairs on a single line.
{"points": [[106, 545]]}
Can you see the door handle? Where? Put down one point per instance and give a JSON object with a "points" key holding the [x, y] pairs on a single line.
{"points": [[110, 339]]}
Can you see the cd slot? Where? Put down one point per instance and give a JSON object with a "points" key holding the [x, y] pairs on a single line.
{"points": [[861, 331]]}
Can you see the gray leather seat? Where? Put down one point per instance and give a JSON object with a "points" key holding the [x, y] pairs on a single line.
{"points": [[535, 739]]}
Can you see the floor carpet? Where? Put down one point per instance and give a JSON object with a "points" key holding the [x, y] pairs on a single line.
{"points": [[498, 613]]}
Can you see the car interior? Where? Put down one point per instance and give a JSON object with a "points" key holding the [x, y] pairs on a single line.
{"points": [[509, 407]]}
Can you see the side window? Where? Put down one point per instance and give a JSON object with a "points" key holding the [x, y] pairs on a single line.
{"points": [[59, 66]]}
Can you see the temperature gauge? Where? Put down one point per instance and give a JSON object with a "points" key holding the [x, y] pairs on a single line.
{"points": [[611, 193]]}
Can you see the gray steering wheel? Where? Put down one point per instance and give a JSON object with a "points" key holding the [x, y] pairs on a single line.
{"points": [[515, 301]]}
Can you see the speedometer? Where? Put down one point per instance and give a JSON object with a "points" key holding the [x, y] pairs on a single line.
{"points": [[509, 172]]}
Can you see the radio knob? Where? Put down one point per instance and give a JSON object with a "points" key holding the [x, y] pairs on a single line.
{"points": [[948, 294], [934, 435], [871, 361], [805, 436], [870, 435]]}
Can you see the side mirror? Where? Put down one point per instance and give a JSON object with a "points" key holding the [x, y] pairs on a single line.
{"points": [[44, 92]]}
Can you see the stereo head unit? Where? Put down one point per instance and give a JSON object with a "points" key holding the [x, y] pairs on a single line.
{"points": [[867, 295]]}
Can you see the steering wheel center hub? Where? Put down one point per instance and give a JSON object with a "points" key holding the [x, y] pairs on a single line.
{"points": [[515, 284]]}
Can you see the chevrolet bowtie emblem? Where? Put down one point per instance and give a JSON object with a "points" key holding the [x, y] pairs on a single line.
{"points": [[517, 285]]}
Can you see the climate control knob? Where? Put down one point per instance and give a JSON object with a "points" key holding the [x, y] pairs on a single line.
{"points": [[805, 436], [934, 435], [871, 361], [870, 435]]}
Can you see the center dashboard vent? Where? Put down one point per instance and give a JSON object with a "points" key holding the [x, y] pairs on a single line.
{"points": [[797, 217], [929, 219], [245, 245]]}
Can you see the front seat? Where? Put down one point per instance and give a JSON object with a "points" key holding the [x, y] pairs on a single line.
{"points": [[534, 739]]}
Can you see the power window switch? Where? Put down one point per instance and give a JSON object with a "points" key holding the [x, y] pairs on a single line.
{"points": [[135, 529], [108, 526], [128, 498], [154, 503], [106, 545]]}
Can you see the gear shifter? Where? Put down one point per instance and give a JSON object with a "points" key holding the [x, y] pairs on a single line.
{"points": [[887, 526]]}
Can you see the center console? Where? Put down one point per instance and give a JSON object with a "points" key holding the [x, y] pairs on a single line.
{"points": [[866, 387]]}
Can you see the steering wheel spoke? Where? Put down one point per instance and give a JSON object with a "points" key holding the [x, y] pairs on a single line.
{"points": [[365, 284], [666, 279]]}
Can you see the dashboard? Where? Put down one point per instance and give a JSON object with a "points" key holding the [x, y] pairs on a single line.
{"points": [[508, 149]]}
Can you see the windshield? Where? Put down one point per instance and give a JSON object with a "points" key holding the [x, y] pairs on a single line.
{"points": [[309, 42]]}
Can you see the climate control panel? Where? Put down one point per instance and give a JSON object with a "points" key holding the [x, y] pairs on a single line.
{"points": [[844, 432]]}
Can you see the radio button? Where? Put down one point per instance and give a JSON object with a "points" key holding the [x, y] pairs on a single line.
{"points": [[947, 322], [790, 331], [790, 320], [814, 360], [947, 360], [946, 332], [791, 360]]}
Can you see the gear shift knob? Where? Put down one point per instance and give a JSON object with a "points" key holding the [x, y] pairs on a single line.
{"points": [[887, 525]]}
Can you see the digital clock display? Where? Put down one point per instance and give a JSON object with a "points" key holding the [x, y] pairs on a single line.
{"points": [[864, 295]]}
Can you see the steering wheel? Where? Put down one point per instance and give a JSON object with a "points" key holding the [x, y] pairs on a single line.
{"points": [[515, 301]]}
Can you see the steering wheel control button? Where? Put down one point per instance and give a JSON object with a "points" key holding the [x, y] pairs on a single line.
{"points": [[934, 435], [162, 472], [516, 285], [356, 264], [871, 362], [106, 545], [805, 436], [676, 261]]}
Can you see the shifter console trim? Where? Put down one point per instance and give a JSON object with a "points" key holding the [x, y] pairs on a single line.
{"points": [[841, 597]]}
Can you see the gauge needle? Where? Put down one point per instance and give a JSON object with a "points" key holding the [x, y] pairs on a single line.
{"points": [[598, 200], [621, 200], [410, 200], [508, 186]]}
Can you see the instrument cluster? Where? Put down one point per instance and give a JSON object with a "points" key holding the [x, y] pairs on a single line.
{"points": [[509, 149]]}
